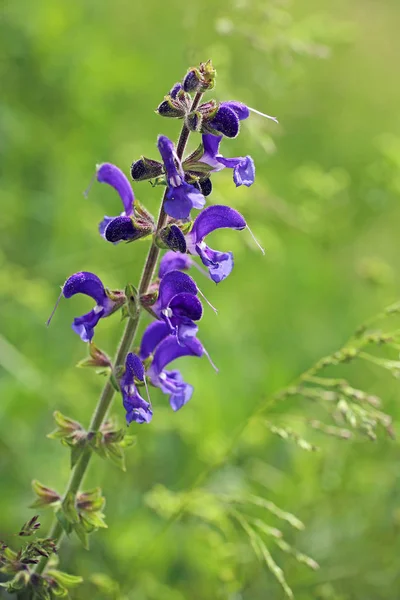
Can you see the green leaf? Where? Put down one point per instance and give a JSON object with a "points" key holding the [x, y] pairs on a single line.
{"points": [[65, 579]]}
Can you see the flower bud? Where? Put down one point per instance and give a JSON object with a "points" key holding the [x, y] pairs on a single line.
{"points": [[145, 168], [194, 120], [201, 79], [173, 238]]}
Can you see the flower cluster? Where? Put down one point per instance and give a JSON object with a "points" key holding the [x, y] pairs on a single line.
{"points": [[173, 297]]}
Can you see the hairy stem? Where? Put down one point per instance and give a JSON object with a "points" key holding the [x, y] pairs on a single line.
{"points": [[56, 532]]}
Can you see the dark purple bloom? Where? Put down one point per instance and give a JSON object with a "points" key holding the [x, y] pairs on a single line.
{"points": [[171, 382], [178, 305], [243, 166], [219, 264], [181, 197], [117, 229], [228, 116], [137, 409], [90, 285]]}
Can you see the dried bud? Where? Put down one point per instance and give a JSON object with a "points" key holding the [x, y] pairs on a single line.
{"points": [[45, 495], [145, 168], [97, 358]]}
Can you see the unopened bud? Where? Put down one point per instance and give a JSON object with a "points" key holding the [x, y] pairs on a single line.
{"points": [[145, 168], [173, 238]]}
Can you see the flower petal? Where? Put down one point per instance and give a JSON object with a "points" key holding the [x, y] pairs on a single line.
{"points": [[153, 335], [170, 349], [211, 144], [86, 283], [226, 121], [245, 172], [84, 325], [134, 366], [241, 110], [186, 305], [168, 154], [181, 199], [215, 217], [172, 261], [109, 173], [174, 282], [220, 264]]}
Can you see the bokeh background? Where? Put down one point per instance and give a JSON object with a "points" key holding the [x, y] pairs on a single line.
{"points": [[79, 85]]}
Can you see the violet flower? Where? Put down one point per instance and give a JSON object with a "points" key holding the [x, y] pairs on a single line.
{"points": [[243, 166], [106, 303], [137, 409], [117, 229], [181, 197], [171, 382], [219, 264], [228, 116], [174, 261], [178, 305]]}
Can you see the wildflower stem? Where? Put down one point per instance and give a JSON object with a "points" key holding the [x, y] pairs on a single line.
{"points": [[56, 532]]}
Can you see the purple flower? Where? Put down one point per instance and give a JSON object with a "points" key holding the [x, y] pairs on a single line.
{"points": [[90, 285], [178, 305], [174, 261], [228, 116], [117, 229], [137, 409], [181, 197], [171, 382], [219, 264], [243, 166]]}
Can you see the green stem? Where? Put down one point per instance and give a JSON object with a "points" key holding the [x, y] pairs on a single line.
{"points": [[78, 473]]}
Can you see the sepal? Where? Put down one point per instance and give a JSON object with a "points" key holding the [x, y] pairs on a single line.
{"points": [[132, 304], [97, 358], [146, 168]]}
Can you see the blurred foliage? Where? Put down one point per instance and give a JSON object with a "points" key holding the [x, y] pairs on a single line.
{"points": [[80, 85]]}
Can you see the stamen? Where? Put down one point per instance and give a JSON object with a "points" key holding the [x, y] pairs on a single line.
{"points": [[199, 268], [147, 389], [208, 302], [89, 187], [256, 241], [211, 362], [263, 114], [55, 308]]}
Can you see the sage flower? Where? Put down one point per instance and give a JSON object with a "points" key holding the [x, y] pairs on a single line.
{"points": [[171, 382], [181, 196], [137, 409], [107, 302]]}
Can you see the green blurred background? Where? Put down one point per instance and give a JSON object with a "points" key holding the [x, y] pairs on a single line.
{"points": [[79, 85]]}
